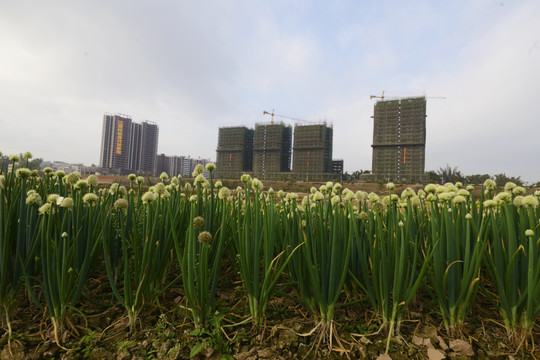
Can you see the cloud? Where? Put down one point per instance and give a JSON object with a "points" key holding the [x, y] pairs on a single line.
{"points": [[192, 67], [488, 122]]}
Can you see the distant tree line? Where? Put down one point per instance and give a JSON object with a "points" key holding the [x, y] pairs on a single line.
{"points": [[354, 176], [453, 174], [33, 164], [449, 174]]}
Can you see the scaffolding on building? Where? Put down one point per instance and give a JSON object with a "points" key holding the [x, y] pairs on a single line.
{"points": [[267, 151], [312, 150], [399, 139], [234, 151], [271, 149]]}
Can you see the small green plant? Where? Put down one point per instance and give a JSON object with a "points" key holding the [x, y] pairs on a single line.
{"points": [[124, 346], [159, 335], [87, 342], [365, 328], [211, 338]]}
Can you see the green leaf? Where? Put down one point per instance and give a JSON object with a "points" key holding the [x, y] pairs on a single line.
{"points": [[197, 349]]}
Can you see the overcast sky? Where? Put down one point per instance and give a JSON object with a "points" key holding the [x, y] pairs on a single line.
{"points": [[194, 66]]}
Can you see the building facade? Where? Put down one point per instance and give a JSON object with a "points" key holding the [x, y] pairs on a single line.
{"points": [[162, 164], [189, 164], [312, 151], [115, 141], [149, 138], [267, 151], [399, 140], [180, 165], [337, 166], [234, 152], [175, 165], [271, 150], [127, 146]]}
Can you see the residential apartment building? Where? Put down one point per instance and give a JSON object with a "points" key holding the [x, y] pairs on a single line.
{"points": [[127, 146]]}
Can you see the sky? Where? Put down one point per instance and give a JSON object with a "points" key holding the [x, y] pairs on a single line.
{"points": [[195, 66]]}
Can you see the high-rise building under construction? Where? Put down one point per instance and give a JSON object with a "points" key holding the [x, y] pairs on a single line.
{"points": [[312, 151], [234, 151], [267, 151], [127, 146], [271, 150], [399, 139]]}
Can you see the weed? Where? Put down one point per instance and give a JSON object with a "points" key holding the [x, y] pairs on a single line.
{"points": [[123, 347], [87, 342], [211, 337]]}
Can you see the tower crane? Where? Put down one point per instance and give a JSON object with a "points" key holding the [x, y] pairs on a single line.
{"points": [[267, 113], [382, 97], [272, 114], [377, 97]]}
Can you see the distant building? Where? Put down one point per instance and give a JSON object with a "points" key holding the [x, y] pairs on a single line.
{"points": [[162, 164], [63, 166], [179, 165], [127, 146], [135, 146], [93, 169], [312, 151], [149, 145], [188, 166], [271, 150], [116, 142], [203, 162], [399, 140], [337, 166], [173, 165], [268, 151], [234, 151]]}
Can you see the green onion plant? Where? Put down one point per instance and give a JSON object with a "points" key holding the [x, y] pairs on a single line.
{"points": [[513, 263], [457, 259], [260, 264]]}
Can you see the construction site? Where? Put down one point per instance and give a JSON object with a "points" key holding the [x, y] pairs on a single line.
{"points": [[399, 144], [399, 140], [267, 152]]}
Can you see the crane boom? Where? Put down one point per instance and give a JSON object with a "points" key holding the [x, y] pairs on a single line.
{"points": [[382, 97], [282, 116], [288, 117], [272, 113], [377, 97]]}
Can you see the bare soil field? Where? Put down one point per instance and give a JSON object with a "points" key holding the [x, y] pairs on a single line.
{"points": [[99, 330]]}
